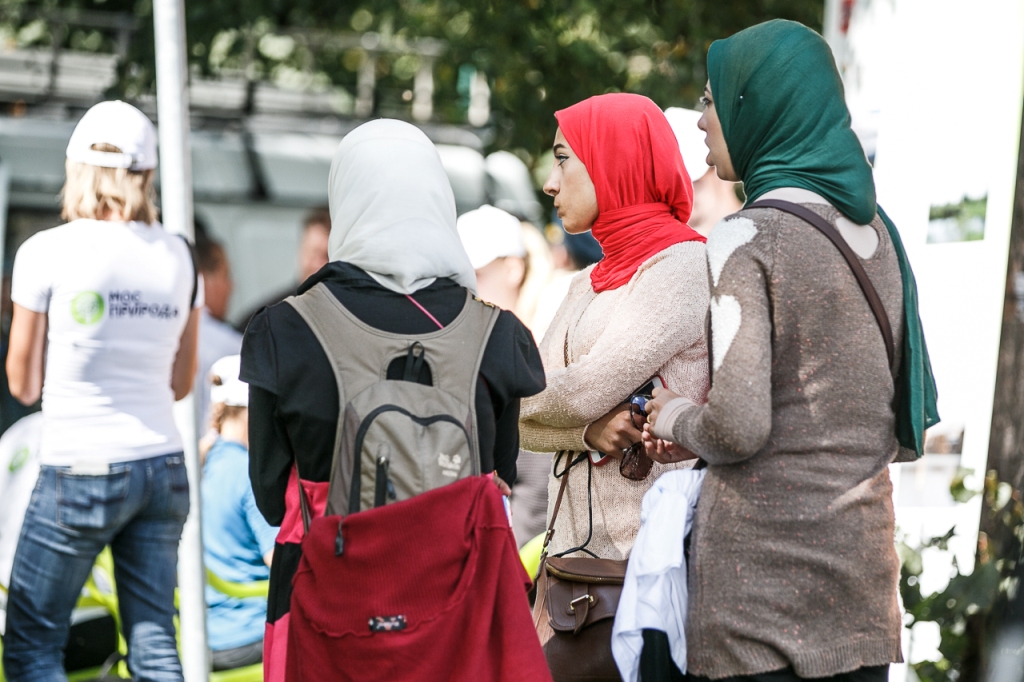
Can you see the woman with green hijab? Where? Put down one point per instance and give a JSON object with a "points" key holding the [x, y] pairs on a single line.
{"points": [[793, 569]]}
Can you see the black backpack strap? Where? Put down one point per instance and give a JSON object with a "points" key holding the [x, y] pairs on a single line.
{"points": [[863, 280]]}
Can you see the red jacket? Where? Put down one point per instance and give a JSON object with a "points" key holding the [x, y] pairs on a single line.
{"points": [[427, 589]]}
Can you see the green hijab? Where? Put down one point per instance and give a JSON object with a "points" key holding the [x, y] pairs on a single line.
{"points": [[780, 102]]}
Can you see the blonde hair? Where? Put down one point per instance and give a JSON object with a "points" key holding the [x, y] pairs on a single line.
{"points": [[99, 193]]}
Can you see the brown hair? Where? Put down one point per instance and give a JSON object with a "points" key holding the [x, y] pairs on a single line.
{"points": [[210, 256], [220, 413], [99, 193], [318, 217]]}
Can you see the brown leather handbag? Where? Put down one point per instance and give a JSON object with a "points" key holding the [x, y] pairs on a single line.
{"points": [[582, 595]]}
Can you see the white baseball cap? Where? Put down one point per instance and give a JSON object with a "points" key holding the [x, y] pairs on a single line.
{"points": [[227, 387], [691, 140], [121, 125], [489, 233]]}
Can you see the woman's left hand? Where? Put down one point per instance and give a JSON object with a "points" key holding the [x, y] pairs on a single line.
{"points": [[662, 396]]}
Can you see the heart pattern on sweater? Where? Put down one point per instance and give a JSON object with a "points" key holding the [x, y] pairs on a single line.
{"points": [[726, 317], [727, 236]]}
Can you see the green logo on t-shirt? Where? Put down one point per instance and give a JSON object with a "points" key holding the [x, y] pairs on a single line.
{"points": [[87, 307], [21, 456]]}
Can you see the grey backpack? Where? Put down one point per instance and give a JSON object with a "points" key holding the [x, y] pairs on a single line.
{"points": [[397, 439]]}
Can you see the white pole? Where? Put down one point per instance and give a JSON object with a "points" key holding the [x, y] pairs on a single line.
{"points": [[176, 203], [5, 197], [830, 29]]}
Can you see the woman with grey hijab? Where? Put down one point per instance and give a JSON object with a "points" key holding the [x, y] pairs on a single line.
{"points": [[397, 266]]}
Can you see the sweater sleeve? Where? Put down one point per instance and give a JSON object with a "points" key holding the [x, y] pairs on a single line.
{"points": [[664, 315], [537, 437], [736, 421]]}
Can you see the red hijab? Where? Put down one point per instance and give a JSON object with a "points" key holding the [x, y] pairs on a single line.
{"points": [[644, 194]]}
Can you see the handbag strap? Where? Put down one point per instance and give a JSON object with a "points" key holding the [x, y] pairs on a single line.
{"points": [[554, 514], [863, 280], [558, 505]]}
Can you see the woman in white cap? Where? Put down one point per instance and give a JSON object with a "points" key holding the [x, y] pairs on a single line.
{"points": [[110, 300], [238, 543]]}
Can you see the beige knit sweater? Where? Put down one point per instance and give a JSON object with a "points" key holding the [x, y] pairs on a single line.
{"points": [[793, 562], [616, 341]]}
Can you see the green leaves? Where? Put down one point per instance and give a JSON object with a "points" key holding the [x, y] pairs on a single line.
{"points": [[538, 55], [972, 603]]}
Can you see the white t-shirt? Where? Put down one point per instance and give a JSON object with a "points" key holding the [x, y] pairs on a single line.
{"points": [[117, 297], [19, 469]]}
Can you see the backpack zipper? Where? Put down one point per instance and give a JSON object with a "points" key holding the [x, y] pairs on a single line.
{"points": [[384, 487], [357, 464]]}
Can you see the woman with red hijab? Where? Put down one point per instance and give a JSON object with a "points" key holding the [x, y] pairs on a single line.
{"points": [[637, 316]]}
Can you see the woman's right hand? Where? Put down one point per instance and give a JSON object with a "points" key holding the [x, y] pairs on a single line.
{"points": [[663, 451], [612, 433]]}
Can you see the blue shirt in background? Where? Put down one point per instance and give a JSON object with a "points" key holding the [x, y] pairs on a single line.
{"points": [[235, 538]]}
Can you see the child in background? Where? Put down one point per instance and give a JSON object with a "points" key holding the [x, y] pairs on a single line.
{"points": [[238, 542]]}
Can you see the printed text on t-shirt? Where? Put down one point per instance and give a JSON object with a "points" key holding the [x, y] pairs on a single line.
{"points": [[130, 304]]}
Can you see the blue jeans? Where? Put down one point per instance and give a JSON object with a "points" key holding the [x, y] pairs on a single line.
{"points": [[138, 508]]}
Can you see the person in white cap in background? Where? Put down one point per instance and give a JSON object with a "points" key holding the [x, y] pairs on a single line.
{"points": [[540, 269], [713, 198], [238, 543], [112, 302], [493, 238]]}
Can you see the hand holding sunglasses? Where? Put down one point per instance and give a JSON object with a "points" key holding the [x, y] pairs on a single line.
{"points": [[635, 464]]}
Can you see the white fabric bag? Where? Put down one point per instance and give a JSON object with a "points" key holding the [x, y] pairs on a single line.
{"points": [[654, 595]]}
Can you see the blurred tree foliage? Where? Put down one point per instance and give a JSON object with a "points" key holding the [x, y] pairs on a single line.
{"points": [[970, 609], [538, 55]]}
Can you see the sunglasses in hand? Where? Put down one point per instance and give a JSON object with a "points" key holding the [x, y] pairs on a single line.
{"points": [[636, 465]]}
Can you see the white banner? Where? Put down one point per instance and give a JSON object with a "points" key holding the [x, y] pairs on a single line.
{"points": [[935, 88]]}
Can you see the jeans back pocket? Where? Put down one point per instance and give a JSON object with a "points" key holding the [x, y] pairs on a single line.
{"points": [[177, 481], [92, 502]]}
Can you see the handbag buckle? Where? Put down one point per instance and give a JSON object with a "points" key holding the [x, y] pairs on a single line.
{"points": [[590, 602]]}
